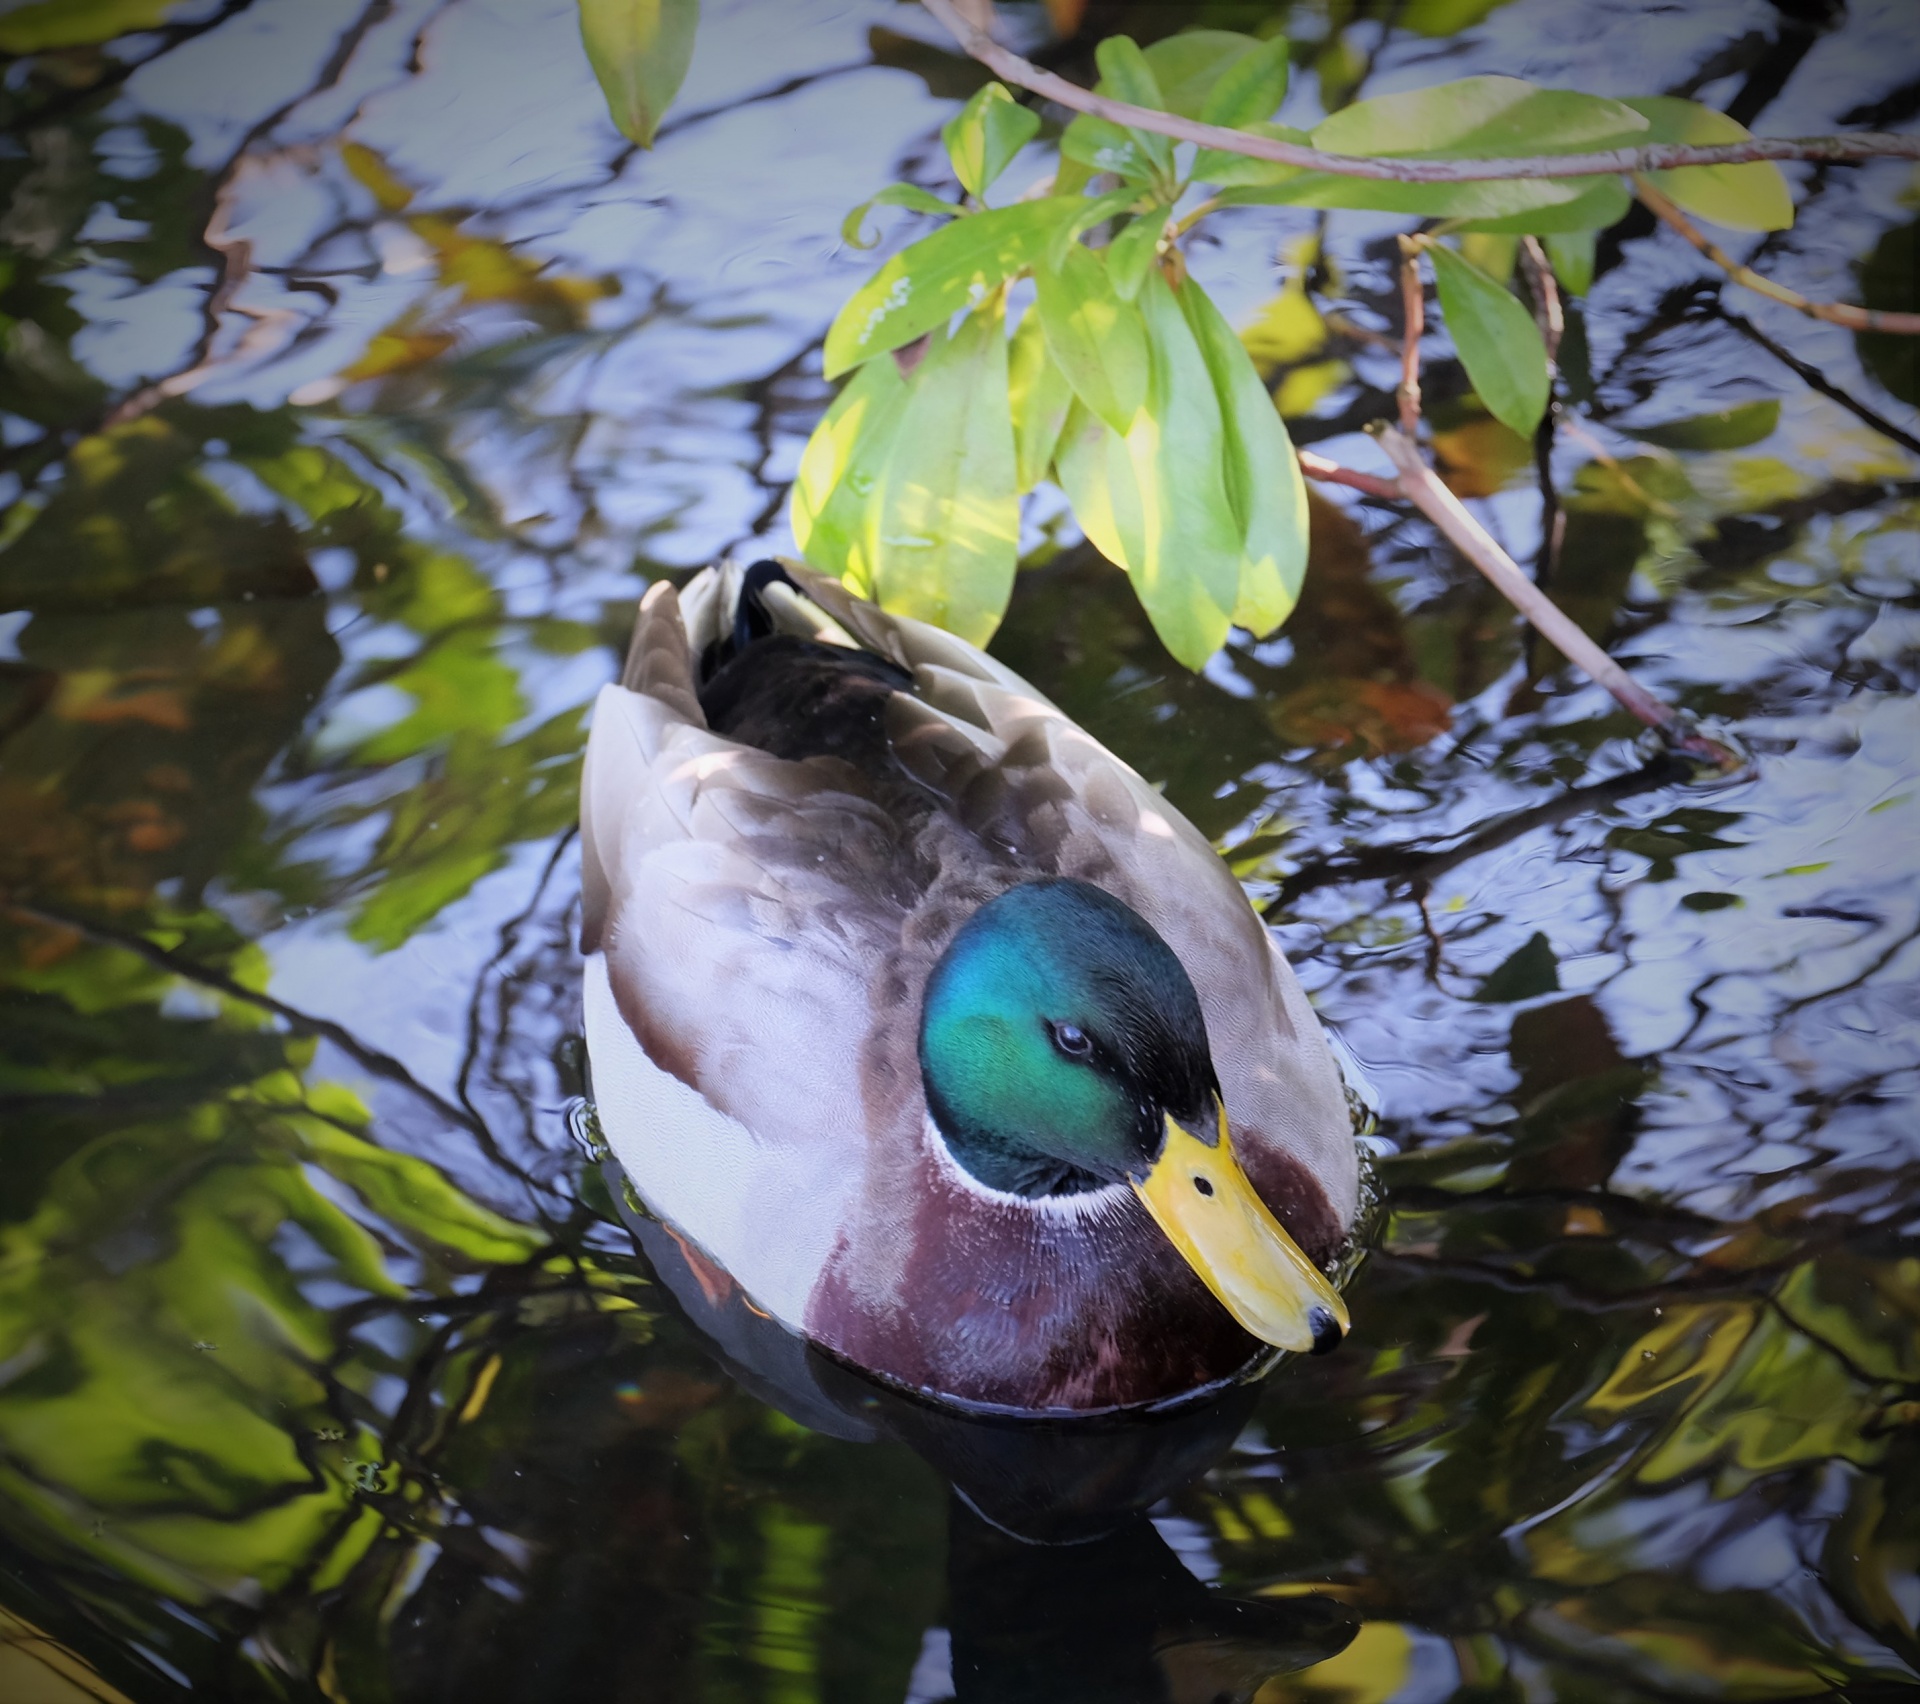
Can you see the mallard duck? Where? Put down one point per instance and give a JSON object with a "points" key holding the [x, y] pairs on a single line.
{"points": [[918, 1015]]}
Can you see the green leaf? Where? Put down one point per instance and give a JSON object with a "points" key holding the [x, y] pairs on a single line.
{"points": [[1126, 76], [640, 51], [983, 137], [1481, 118], [1494, 252], [1228, 170], [1752, 197], [839, 469], [50, 24], [1190, 66], [1501, 204], [1730, 429], [1595, 204], [1476, 117], [1093, 211], [925, 285], [1499, 344], [1071, 176], [1102, 146], [1264, 486], [1040, 398], [894, 195], [1098, 341], [945, 518], [1154, 501], [1570, 253], [1250, 88], [1130, 254]]}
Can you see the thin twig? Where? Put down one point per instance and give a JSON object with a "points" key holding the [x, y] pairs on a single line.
{"points": [[1546, 294], [1659, 157], [1421, 488], [1332, 473], [1413, 302], [1551, 318], [1834, 313], [1818, 380], [371, 1058], [1606, 458], [236, 253]]}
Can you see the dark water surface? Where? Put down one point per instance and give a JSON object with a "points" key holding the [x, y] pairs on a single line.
{"points": [[357, 377]]}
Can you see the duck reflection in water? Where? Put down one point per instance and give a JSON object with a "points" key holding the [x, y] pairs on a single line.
{"points": [[1059, 1587]]}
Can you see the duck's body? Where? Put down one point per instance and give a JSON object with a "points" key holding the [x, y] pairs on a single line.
{"points": [[792, 807]]}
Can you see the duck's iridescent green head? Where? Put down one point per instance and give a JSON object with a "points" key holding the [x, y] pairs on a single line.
{"points": [[1059, 1032], [1063, 1049]]}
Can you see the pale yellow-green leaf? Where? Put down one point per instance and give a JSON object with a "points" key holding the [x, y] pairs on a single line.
{"points": [[983, 137], [1248, 90], [1570, 254], [911, 195], [1154, 501], [1227, 170], [1040, 396], [640, 51], [1494, 252], [1481, 117], [1504, 204], [924, 286], [839, 469], [944, 521], [1752, 197], [1130, 255], [1190, 66], [1097, 339], [1264, 485], [1098, 145]]}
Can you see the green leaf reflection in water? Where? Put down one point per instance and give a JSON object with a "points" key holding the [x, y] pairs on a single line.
{"points": [[178, 1405]]}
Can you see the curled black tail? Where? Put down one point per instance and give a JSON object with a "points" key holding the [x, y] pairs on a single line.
{"points": [[794, 696], [750, 618]]}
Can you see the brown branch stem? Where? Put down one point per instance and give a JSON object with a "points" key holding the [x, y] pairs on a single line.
{"points": [[1545, 288], [1834, 313], [1421, 488], [1413, 303], [1332, 473], [1009, 66]]}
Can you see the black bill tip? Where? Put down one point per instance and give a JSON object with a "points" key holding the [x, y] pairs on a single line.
{"points": [[1326, 1330]]}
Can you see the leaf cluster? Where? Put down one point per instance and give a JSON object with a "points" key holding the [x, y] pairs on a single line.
{"points": [[1122, 382]]}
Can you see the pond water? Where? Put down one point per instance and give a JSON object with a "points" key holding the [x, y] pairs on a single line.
{"points": [[358, 376]]}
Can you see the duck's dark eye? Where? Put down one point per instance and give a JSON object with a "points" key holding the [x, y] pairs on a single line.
{"points": [[1073, 1041]]}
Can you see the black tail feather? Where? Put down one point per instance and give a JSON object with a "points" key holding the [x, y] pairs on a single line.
{"points": [[750, 618]]}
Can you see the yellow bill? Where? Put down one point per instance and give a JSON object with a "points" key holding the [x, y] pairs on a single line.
{"points": [[1201, 1198]]}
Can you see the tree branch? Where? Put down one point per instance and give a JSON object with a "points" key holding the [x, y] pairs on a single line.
{"points": [[1413, 303], [1834, 313], [1659, 157], [1421, 488], [370, 1058], [1332, 473], [1814, 377]]}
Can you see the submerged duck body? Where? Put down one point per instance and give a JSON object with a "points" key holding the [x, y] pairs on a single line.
{"points": [[923, 1019]]}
